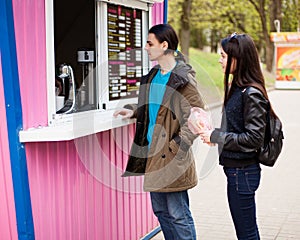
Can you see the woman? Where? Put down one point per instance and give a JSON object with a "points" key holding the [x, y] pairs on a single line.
{"points": [[242, 129], [161, 148]]}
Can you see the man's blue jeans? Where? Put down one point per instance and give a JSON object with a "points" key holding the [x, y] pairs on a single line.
{"points": [[241, 186], [174, 215]]}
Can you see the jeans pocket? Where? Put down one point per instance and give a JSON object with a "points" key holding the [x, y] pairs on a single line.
{"points": [[252, 179]]}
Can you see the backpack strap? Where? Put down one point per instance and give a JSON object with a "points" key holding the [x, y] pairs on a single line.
{"points": [[268, 125]]}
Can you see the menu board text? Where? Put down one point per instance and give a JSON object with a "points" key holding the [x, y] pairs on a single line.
{"points": [[124, 51]]}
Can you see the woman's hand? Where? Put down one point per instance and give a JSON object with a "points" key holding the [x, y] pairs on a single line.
{"points": [[125, 113], [205, 136], [199, 120]]}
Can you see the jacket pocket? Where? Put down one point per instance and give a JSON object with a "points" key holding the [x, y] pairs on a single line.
{"points": [[173, 147]]}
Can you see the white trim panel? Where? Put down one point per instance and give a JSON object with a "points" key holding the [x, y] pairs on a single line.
{"points": [[79, 125]]}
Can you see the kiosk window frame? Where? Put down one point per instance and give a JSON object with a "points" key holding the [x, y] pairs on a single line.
{"points": [[118, 74], [101, 58]]}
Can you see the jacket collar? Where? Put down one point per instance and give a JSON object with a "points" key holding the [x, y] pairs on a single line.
{"points": [[178, 78]]}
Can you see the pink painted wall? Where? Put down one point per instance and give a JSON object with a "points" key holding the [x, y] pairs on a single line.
{"points": [[76, 187], [8, 226], [157, 13], [78, 193], [29, 17]]}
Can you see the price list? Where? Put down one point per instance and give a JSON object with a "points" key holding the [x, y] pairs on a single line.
{"points": [[124, 51]]}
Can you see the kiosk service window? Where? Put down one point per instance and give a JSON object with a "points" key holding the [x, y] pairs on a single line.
{"points": [[95, 61], [95, 56]]}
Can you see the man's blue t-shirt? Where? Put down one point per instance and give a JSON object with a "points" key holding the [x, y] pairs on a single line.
{"points": [[157, 90]]}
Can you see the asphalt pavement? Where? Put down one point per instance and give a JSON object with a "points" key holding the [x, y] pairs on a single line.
{"points": [[278, 197]]}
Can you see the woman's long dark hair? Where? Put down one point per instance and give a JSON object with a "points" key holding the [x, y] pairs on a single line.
{"points": [[165, 32], [248, 70]]}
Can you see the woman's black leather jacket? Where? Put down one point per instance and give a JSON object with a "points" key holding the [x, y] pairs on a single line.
{"points": [[243, 127]]}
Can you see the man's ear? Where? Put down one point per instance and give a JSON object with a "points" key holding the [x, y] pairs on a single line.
{"points": [[165, 45]]}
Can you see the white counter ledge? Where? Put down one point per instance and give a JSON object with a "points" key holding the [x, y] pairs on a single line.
{"points": [[68, 127]]}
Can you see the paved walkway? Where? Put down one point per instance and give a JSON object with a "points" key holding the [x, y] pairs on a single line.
{"points": [[278, 197]]}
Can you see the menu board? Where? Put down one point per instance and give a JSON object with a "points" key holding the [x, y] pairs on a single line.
{"points": [[124, 51]]}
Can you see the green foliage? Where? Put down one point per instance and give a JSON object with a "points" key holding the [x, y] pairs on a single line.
{"points": [[207, 66], [212, 20], [174, 13], [208, 73], [291, 15]]}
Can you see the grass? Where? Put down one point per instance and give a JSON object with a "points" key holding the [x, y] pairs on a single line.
{"points": [[207, 64], [210, 76], [208, 73]]}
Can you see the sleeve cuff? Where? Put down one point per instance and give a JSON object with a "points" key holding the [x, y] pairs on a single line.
{"points": [[215, 136]]}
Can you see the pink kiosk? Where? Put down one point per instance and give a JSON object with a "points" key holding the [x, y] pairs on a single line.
{"points": [[65, 66]]}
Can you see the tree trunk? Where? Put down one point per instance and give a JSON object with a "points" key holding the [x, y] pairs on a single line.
{"points": [[184, 33], [269, 56], [214, 41], [275, 14]]}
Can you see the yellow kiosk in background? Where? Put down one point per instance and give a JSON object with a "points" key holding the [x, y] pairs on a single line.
{"points": [[287, 59]]}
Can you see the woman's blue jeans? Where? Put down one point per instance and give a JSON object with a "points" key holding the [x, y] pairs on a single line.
{"points": [[241, 186], [174, 215]]}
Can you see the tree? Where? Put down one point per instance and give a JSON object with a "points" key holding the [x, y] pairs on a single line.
{"points": [[290, 16], [218, 19], [274, 13], [184, 32], [207, 21]]}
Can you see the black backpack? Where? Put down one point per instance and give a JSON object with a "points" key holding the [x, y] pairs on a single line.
{"points": [[268, 154], [273, 142]]}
